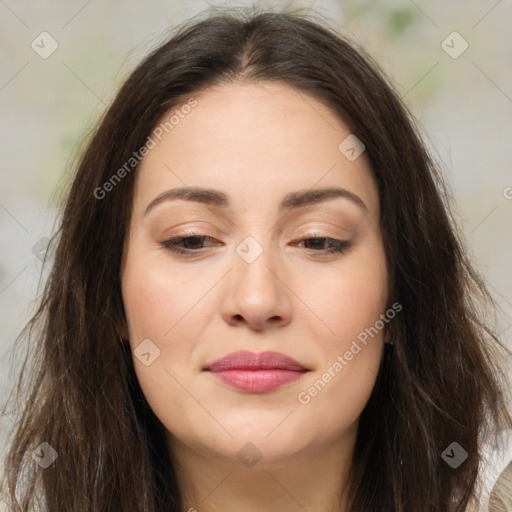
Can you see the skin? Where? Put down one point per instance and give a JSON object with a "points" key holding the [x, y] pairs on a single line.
{"points": [[256, 143]]}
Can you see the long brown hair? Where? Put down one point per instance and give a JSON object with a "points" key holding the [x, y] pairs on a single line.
{"points": [[439, 382]]}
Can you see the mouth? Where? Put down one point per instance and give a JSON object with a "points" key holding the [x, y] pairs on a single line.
{"points": [[256, 373]]}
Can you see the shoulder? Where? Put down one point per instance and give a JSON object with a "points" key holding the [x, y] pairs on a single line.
{"points": [[500, 499], [495, 479]]}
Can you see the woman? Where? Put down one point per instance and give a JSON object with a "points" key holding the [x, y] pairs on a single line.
{"points": [[259, 300]]}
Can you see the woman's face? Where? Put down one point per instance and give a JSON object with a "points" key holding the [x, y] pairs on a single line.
{"points": [[256, 282]]}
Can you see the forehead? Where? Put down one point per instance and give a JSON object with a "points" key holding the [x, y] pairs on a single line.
{"points": [[257, 142]]}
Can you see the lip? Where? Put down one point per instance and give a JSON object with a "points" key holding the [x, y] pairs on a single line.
{"points": [[256, 373]]}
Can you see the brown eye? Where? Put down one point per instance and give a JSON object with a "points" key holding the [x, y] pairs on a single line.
{"points": [[317, 244], [186, 244]]}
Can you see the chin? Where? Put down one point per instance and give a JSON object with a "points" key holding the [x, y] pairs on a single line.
{"points": [[259, 454]]}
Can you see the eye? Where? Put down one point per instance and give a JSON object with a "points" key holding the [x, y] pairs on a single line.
{"points": [[191, 243], [334, 245]]}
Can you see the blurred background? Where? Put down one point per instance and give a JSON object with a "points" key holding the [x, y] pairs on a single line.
{"points": [[61, 63]]}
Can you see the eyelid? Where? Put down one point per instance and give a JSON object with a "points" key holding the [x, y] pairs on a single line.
{"points": [[329, 230], [316, 233], [302, 232]]}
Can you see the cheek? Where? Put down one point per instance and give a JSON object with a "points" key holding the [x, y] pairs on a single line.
{"points": [[159, 308], [349, 299], [339, 397], [170, 309], [339, 388], [351, 302], [159, 304]]}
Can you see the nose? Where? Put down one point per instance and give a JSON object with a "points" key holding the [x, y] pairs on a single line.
{"points": [[257, 293]]}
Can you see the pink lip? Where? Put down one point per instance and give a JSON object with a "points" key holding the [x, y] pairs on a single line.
{"points": [[256, 373]]}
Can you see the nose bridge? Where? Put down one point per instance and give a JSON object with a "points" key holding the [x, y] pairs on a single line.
{"points": [[255, 265], [255, 292]]}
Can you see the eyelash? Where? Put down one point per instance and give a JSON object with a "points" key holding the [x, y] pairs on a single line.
{"points": [[338, 246]]}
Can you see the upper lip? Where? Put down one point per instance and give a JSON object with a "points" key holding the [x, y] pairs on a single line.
{"points": [[245, 360]]}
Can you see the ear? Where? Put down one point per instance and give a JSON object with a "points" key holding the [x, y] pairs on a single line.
{"points": [[122, 328]]}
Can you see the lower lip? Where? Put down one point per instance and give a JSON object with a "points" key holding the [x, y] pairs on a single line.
{"points": [[257, 381]]}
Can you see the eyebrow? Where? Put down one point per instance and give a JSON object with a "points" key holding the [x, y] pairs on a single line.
{"points": [[293, 200]]}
